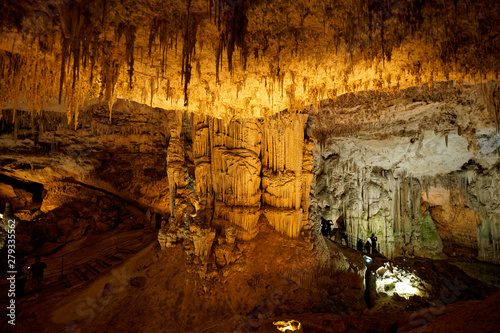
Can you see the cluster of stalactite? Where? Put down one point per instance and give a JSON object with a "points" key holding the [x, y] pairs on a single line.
{"points": [[231, 20], [40, 127], [12, 121], [390, 22], [32, 79], [74, 53]]}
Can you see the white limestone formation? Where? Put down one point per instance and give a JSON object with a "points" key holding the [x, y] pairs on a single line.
{"points": [[418, 183]]}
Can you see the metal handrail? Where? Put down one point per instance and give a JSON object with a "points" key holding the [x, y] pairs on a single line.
{"points": [[71, 266], [74, 263]]}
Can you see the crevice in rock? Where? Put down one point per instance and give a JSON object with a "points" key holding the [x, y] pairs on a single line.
{"points": [[35, 188]]}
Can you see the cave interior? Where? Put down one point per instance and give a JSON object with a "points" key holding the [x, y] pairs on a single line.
{"points": [[223, 165]]}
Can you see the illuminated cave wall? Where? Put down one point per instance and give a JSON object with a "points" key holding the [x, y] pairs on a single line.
{"points": [[419, 169], [416, 215], [250, 166], [421, 173], [123, 157], [240, 168], [236, 58]]}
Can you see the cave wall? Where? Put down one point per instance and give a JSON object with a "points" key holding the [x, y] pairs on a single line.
{"points": [[423, 179], [169, 162], [124, 155], [418, 169], [378, 201], [482, 196]]}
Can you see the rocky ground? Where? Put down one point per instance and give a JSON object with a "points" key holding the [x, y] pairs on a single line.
{"points": [[273, 279]]}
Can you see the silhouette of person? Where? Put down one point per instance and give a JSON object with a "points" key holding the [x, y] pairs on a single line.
{"points": [[343, 236], [368, 245], [36, 272], [373, 239], [359, 245], [324, 223], [329, 228]]}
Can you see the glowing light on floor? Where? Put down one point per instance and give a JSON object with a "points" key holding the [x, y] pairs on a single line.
{"points": [[404, 289], [392, 280], [288, 326]]}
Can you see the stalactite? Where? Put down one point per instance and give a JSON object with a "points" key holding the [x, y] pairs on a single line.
{"points": [[218, 58], [490, 93], [152, 90], [153, 30], [64, 57], [130, 31], [72, 21], [16, 125], [188, 50], [288, 222], [232, 23]]}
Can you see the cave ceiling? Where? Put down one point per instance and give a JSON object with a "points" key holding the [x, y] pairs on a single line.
{"points": [[236, 58]]}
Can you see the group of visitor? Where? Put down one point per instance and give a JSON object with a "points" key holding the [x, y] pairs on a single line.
{"points": [[370, 245]]}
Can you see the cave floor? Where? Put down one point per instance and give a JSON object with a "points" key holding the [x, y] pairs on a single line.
{"points": [[157, 290]]}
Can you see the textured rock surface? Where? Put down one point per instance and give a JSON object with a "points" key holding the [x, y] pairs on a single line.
{"points": [[282, 183], [417, 151], [8, 194], [240, 58], [416, 178], [268, 276], [296, 111], [456, 222]]}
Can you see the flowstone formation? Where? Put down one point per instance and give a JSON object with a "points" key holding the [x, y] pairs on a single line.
{"points": [[286, 176], [243, 170]]}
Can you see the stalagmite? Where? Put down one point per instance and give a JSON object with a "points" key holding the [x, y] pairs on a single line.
{"points": [[202, 240], [176, 168]]}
